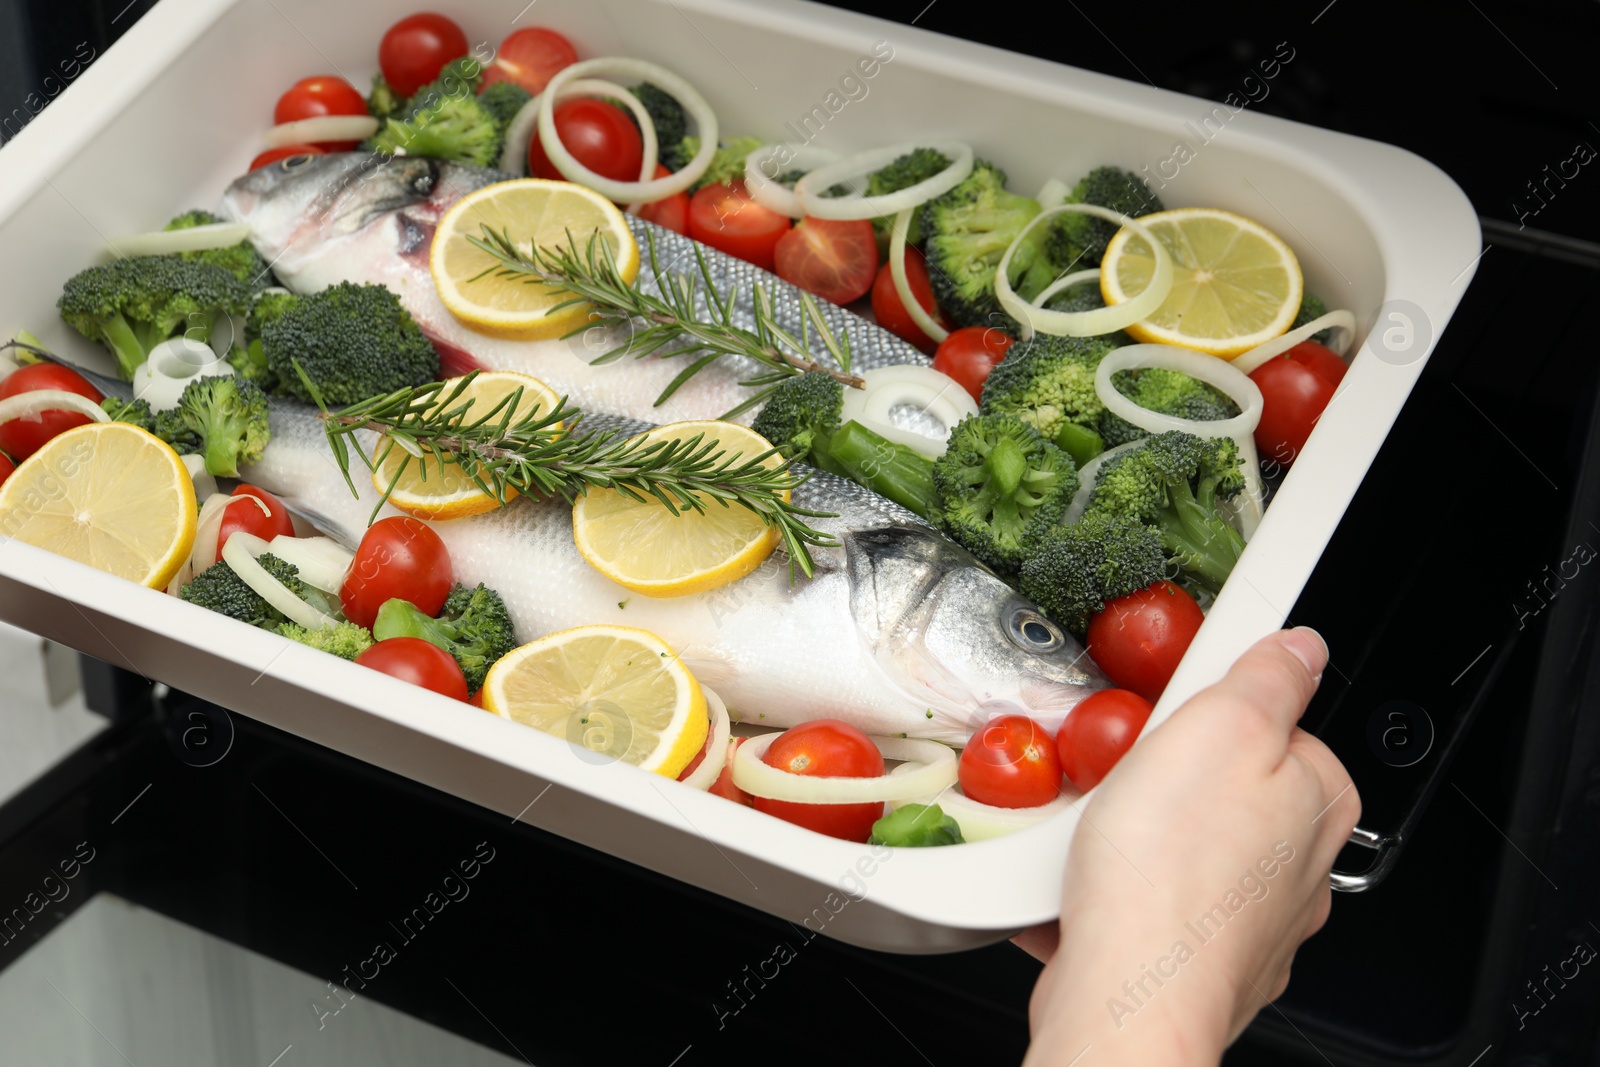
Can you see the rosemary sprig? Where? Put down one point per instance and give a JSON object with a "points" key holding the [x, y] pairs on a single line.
{"points": [[592, 277], [514, 446]]}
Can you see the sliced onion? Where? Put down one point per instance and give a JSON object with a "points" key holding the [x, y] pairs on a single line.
{"points": [[1067, 282], [809, 190], [1086, 479], [205, 486], [194, 239], [1209, 369], [1053, 192], [705, 776], [207, 530], [161, 379], [32, 405], [628, 192], [771, 193], [980, 822], [911, 384], [897, 271], [519, 136], [321, 561], [1341, 322], [240, 553], [320, 129], [1084, 323], [935, 769]]}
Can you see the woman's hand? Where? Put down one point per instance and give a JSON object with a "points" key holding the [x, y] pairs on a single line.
{"points": [[1200, 865]]}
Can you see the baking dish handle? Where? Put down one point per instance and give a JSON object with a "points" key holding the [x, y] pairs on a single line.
{"points": [[1386, 851]]}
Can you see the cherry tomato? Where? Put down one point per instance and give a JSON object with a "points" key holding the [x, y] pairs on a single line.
{"points": [[724, 787], [835, 260], [246, 515], [324, 94], [1139, 638], [891, 312], [399, 557], [21, 438], [476, 699], [288, 151], [1098, 732], [530, 57], [6, 467], [724, 217], [833, 749], [599, 135], [970, 353], [411, 659], [1011, 763], [416, 49], [1295, 390], [670, 213]]}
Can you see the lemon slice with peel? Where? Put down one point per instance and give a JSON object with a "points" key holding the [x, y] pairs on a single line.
{"points": [[107, 494], [532, 211], [1235, 284], [615, 691], [643, 547], [428, 492]]}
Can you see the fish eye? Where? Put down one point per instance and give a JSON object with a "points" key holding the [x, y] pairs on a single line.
{"points": [[1032, 632], [422, 184], [290, 164]]}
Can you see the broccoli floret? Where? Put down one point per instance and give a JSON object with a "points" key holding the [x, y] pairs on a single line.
{"points": [[966, 231], [1047, 381], [223, 591], [383, 102], [230, 416], [1174, 481], [1312, 308], [353, 341], [1077, 298], [800, 410], [727, 165], [343, 639], [240, 260], [250, 361], [1077, 568], [473, 626], [445, 126], [135, 303], [671, 123], [1168, 392], [915, 166], [1078, 241], [167, 425], [1001, 486], [503, 100]]}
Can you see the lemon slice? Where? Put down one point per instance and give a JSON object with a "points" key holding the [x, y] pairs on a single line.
{"points": [[109, 495], [530, 210], [618, 692], [427, 492], [643, 547], [1235, 284]]}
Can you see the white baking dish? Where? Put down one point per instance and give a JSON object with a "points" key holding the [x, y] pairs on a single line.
{"points": [[168, 117]]}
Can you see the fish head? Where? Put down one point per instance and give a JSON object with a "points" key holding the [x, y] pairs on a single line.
{"points": [[948, 632]]}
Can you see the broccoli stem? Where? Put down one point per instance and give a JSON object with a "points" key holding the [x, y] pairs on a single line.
{"points": [[1202, 544], [891, 470], [1079, 442], [125, 344], [401, 618], [1007, 465]]}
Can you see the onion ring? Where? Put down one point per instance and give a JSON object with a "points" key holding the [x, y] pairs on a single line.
{"points": [[935, 770], [32, 405], [1341, 322], [519, 132], [887, 388], [321, 561], [628, 192], [705, 776], [768, 191], [981, 822], [240, 553], [845, 208], [320, 129], [1209, 369], [194, 239], [1084, 323], [902, 287]]}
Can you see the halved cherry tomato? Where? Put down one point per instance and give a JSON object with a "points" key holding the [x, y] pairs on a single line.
{"points": [[599, 135], [723, 216], [411, 659], [671, 212], [530, 57], [970, 353], [247, 515], [835, 260], [415, 50], [890, 311], [831, 748], [1139, 638], [1011, 763], [399, 557], [323, 94], [1098, 732], [21, 438], [288, 151], [1295, 390]]}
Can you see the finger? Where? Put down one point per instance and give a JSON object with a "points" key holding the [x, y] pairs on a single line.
{"points": [[1321, 908], [1271, 683], [1338, 804], [1040, 941]]}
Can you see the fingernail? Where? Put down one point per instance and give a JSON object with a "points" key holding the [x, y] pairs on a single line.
{"points": [[1309, 648]]}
